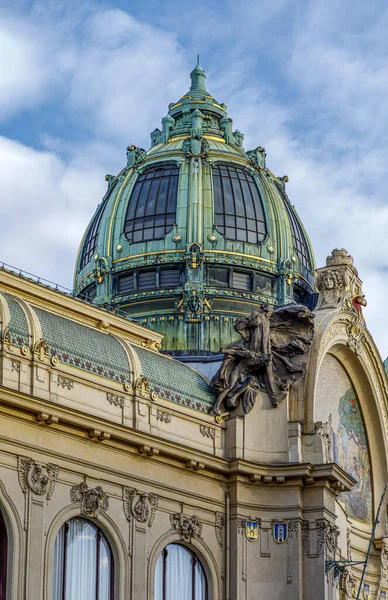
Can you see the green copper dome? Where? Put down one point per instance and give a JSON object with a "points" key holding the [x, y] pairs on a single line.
{"points": [[195, 232]]}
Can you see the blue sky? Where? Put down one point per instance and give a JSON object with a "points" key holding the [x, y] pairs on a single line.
{"points": [[307, 80]]}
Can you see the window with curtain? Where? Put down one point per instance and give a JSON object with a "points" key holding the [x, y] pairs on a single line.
{"points": [[238, 207], [3, 557], [151, 211], [83, 563], [179, 575]]}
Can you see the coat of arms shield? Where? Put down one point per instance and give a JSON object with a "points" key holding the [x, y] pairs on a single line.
{"points": [[252, 530], [280, 532]]}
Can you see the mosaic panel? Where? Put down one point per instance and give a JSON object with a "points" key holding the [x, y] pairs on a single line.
{"points": [[337, 404]]}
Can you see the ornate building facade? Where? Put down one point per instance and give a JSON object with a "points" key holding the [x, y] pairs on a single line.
{"points": [[145, 454]]}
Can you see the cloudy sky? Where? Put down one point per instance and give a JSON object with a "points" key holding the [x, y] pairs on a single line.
{"points": [[80, 80]]}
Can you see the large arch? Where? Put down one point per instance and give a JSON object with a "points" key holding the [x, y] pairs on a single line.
{"points": [[112, 533], [203, 552], [15, 550], [367, 375]]}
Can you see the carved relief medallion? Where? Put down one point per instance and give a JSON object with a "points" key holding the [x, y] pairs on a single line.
{"points": [[92, 499], [37, 477], [140, 505]]}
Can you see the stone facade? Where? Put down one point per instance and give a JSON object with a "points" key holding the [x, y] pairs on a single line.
{"points": [[150, 470]]}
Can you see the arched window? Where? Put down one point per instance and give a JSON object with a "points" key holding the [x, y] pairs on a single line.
{"points": [[151, 211], [3, 557], [238, 207], [298, 235], [83, 563], [179, 575], [91, 237]]}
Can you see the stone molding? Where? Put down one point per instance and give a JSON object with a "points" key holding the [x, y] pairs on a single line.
{"points": [[219, 527], [326, 537]]}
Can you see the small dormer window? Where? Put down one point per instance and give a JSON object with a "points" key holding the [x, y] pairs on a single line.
{"points": [[238, 207]]}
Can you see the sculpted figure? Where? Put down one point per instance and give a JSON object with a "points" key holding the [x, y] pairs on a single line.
{"points": [[269, 356]]}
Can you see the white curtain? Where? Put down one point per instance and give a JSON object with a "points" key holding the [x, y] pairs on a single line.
{"points": [[179, 575], [81, 563]]}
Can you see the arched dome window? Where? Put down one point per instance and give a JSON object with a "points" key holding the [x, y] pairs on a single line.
{"points": [[151, 211], [90, 242], [179, 575], [3, 557], [83, 563], [238, 207], [298, 235]]}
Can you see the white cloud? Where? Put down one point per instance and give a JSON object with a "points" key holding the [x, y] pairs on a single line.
{"points": [[46, 205], [113, 77]]}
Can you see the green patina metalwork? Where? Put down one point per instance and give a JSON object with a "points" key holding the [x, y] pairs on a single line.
{"points": [[196, 134]]}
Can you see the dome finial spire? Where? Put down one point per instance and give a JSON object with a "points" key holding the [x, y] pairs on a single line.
{"points": [[198, 77]]}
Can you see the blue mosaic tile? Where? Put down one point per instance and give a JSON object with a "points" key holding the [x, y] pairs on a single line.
{"points": [[18, 325], [85, 348], [174, 381]]}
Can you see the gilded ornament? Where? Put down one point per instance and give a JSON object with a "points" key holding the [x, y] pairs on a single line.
{"points": [[25, 350], [119, 247], [177, 238], [55, 361], [270, 248]]}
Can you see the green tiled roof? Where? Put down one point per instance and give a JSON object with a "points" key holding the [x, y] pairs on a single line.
{"points": [[172, 380], [83, 347], [18, 325]]}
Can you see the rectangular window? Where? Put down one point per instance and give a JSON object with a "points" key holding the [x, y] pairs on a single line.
{"points": [[218, 276], [242, 280], [146, 280], [169, 278], [126, 284]]}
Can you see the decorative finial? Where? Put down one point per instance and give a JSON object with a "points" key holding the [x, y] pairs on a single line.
{"points": [[198, 77]]}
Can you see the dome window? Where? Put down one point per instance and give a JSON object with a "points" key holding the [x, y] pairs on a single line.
{"points": [[238, 207], [298, 236], [92, 234], [151, 211]]}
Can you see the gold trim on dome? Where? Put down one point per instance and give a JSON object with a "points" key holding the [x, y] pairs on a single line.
{"points": [[155, 252], [177, 104]]}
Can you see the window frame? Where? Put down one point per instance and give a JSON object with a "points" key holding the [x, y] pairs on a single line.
{"points": [[194, 558], [224, 219], [169, 202], [100, 535], [4, 549]]}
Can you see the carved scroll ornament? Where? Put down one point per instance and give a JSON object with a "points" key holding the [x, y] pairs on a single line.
{"points": [[269, 356]]}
